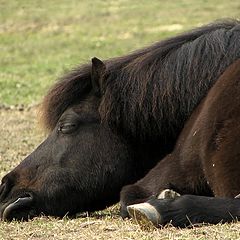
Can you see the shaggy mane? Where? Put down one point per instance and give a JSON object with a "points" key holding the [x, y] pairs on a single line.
{"points": [[152, 91]]}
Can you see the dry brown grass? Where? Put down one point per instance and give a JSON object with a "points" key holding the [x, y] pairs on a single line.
{"points": [[19, 136]]}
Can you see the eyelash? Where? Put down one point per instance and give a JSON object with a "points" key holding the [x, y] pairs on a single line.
{"points": [[69, 128]]}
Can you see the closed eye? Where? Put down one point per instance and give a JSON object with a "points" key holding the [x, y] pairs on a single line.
{"points": [[67, 128]]}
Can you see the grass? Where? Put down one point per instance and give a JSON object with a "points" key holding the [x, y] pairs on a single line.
{"points": [[90, 228], [39, 40]]}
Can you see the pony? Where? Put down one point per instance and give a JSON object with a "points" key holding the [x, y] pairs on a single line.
{"points": [[111, 121], [205, 161]]}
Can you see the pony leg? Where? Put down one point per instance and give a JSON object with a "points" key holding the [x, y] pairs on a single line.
{"points": [[146, 214], [184, 211], [132, 194], [221, 166], [167, 174], [145, 188]]}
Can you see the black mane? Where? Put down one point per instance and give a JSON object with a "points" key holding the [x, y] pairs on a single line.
{"points": [[152, 91]]}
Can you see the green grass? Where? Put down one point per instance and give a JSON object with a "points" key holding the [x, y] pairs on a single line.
{"points": [[39, 40]]}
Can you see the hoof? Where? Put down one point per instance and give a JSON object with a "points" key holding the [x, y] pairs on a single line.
{"points": [[145, 215], [168, 194]]}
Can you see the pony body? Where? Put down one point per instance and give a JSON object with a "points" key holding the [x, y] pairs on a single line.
{"points": [[110, 122], [205, 161]]}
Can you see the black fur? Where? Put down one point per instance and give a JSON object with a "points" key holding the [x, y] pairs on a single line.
{"points": [[189, 210]]}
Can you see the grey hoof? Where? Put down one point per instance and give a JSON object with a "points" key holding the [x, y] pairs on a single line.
{"points": [[144, 214]]}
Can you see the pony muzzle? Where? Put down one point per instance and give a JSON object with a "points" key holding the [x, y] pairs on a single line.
{"points": [[20, 204]]}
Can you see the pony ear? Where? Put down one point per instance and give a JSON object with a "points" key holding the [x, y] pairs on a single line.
{"points": [[98, 70]]}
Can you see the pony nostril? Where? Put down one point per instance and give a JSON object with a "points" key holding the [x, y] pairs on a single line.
{"points": [[23, 202], [27, 195], [2, 187], [5, 188]]}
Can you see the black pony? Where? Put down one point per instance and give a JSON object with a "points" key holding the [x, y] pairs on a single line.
{"points": [[205, 161], [111, 122]]}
